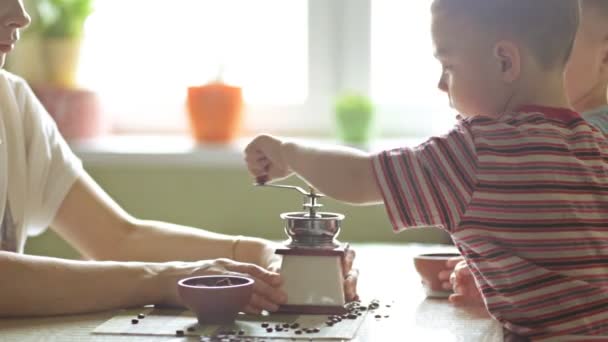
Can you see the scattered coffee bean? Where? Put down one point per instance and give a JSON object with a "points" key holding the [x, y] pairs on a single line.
{"points": [[269, 329], [295, 326], [278, 329], [141, 316], [191, 329], [316, 330], [265, 325], [285, 325], [179, 333], [329, 323], [386, 316], [378, 316], [134, 321], [351, 316], [241, 332]]}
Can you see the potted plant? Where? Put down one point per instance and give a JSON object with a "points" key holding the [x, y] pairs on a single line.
{"points": [[60, 26], [48, 58], [354, 113], [215, 112]]}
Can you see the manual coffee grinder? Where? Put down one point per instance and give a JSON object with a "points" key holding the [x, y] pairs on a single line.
{"points": [[312, 271]]}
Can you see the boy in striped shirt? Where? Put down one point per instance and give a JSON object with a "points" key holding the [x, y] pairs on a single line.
{"points": [[586, 80], [520, 183]]}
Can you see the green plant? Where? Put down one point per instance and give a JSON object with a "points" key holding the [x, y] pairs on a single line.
{"points": [[62, 18], [354, 116], [353, 104]]}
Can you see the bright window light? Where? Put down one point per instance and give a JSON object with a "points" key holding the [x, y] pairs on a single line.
{"points": [[141, 55], [404, 73]]}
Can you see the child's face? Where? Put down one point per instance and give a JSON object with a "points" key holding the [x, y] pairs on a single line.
{"points": [[470, 72], [12, 18], [586, 72]]}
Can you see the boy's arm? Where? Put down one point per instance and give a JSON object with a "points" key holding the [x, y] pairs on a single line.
{"points": [[342, 173]]}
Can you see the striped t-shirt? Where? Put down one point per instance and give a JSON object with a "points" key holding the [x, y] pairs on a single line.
{"points": [[525, 199]]}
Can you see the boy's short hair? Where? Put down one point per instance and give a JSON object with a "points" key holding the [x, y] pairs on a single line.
{"points": [[546, 27]]}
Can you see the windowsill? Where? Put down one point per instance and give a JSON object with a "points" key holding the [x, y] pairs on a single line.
{"points": [[181, 150]]}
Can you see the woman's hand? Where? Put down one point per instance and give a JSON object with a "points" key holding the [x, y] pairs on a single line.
{"points": [[458, 277], [267, 294], [272, 262], [351, 275]]}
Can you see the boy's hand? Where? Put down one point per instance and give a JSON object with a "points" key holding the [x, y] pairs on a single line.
{"points": [[459, 278], [265, 160]]}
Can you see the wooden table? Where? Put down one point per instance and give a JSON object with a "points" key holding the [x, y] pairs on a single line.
{"points": [[387, 274]]}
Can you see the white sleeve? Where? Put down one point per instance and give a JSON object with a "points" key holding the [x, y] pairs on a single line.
{"points": [[52, 168]]}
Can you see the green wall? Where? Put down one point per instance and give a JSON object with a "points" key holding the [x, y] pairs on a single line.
{"points": [[222, 200]]}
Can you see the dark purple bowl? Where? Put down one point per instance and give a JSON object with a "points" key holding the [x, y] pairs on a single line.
{"points": [[213, 299]]}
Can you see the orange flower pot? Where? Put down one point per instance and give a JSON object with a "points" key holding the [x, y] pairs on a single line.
{"points": [[215, 111]]}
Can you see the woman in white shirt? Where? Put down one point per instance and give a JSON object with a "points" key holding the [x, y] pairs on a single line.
{"points": [[42, 183]]}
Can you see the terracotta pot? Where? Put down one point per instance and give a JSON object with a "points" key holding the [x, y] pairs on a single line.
{"points": [[215, 299], [215, 112], [429, 266], [77, 112]]}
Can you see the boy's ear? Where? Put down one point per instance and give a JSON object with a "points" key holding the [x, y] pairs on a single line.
{"points": [[509, 60]]}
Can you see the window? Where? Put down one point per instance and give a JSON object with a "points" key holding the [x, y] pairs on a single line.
{"points": [[141, 55], [404, 73], [291, 57]]}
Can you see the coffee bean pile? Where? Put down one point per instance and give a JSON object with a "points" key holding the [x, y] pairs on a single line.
{"points": [[353, 311]]}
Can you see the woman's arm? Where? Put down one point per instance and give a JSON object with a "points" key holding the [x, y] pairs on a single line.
{"points": [[101, 230], [37, 286], [40, 286]]}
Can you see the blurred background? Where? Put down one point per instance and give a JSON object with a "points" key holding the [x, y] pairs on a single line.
{"points": [[159, 97]]}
